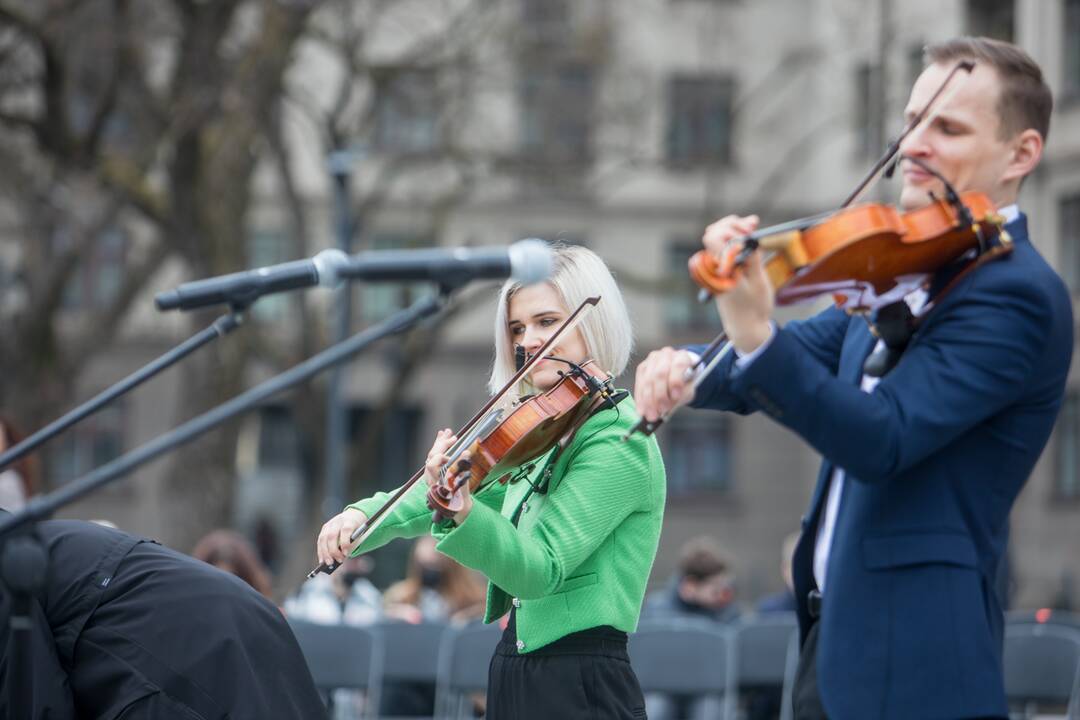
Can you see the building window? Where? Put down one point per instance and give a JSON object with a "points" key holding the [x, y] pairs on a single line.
{"points": [[546, 21], [869, 119], [916, 62], [268, 247], [279, 444], [98, 279], [380, 300], [407, 111], [395, 460], [556, 113], [697, 453], [273, 479], [992, 18], [545, 13], [1071, 70], [1067, 476], [93, 442], [1069, 224], [701, 116], [396, 452], [682, 310]]}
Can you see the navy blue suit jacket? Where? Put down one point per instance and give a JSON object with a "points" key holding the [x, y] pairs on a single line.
{"points": [[911, 626]]}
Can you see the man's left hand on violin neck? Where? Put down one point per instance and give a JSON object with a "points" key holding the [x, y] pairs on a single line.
{"points": [[746, 309]]}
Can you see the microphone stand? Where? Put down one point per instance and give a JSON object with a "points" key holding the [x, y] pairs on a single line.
{"points": [[219, 328], [24, 559]]}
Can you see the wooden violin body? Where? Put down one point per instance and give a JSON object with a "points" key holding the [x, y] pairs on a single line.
{"points": [[859, 254], [515, 436]]}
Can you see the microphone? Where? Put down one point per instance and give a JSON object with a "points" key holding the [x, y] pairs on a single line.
{"points": [[890, 169], [527, 261], [243, 288]]}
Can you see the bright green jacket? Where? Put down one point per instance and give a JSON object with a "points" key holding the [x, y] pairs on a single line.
{"points": [[579, 555]]}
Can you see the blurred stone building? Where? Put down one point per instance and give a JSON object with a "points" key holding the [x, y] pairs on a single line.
{"points": [[624, 126]]}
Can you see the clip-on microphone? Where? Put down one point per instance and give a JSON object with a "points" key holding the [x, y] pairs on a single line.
{"points": [[519, 357]]}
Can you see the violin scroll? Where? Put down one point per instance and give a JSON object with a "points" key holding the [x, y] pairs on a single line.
{"points": [[445, 498]]}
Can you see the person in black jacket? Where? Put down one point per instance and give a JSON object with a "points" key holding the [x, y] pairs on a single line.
{"points": [[126, 628]]}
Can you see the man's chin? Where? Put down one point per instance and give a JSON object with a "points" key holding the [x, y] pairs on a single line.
{"points": [[913, 197]]}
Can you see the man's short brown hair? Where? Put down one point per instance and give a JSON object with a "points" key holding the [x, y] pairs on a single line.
{"points": [[1025, 100], [701, 558]]}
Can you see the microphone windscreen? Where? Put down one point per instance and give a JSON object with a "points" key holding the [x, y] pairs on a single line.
{"points": [[167, 300], [531, 261]]}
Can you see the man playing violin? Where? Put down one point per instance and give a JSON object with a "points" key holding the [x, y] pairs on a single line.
{"points": [[894, 572], [568, 539]]}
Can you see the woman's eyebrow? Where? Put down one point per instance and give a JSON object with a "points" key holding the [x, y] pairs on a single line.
{"points": [[535, 316]]}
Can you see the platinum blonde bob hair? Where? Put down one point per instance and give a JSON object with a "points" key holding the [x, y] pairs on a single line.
{"points": [[577, 273]]}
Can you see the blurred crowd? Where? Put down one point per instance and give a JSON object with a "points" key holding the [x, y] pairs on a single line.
{"points": [[704, 588], [436, 589]]}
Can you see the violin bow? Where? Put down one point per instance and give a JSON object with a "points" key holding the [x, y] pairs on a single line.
{"points": [[360, 534], [924, 115], [711, 357], [886, 163]]}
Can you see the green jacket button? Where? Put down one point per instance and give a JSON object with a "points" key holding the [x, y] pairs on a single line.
{"points": [[520, 645]]}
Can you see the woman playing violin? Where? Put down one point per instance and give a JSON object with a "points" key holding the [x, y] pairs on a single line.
{"points": [[567, 540], [896, 567]]}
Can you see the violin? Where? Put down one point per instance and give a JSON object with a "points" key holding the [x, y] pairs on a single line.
{"points": [[531, 429], [512, 438], [858, 254], [868, 256]]}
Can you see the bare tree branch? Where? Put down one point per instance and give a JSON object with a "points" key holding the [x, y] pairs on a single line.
{"points": [[18, 121], [19, 20], [103, 326], [298, 225], [120, 64], [130, 181]]}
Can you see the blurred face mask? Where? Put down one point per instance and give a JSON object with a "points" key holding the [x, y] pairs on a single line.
{"points": [[12, 494], [351, 577], [430, 577]]}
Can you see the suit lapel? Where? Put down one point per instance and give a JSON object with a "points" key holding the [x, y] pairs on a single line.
{"points": [[857, 346]]}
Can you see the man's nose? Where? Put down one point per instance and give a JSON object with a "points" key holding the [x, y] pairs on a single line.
{"points": [[916, 142]]}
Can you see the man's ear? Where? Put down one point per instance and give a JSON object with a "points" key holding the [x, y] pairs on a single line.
{"points": [[1027, 150]]}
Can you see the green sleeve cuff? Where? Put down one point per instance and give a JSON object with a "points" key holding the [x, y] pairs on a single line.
{"points": [[411, 518], [466, 542]]}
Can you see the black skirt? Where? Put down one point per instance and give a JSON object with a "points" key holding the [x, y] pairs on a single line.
{"points": [[583, 675]]}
